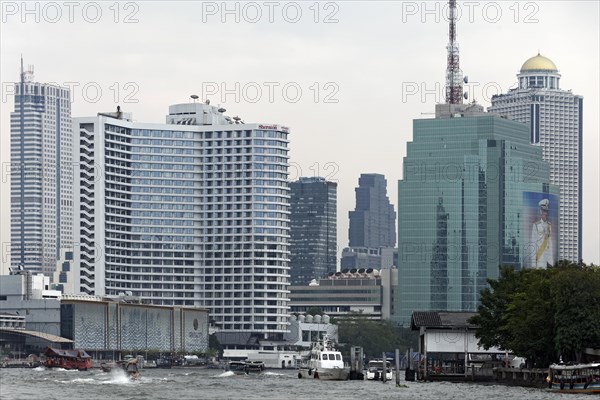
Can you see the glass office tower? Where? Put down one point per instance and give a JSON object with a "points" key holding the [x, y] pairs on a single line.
{"points": [[467, 204], [313, 241]]}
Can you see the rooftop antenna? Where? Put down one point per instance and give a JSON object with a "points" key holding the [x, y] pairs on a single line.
{"points": [[194, 97], [454, 79]]}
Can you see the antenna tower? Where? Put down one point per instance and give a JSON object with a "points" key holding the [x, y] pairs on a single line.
{"points": [[454, 77]]}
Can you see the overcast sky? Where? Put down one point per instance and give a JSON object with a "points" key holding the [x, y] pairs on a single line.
{"points": [[347, 77]]}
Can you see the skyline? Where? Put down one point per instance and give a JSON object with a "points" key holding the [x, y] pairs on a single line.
{"points": [[360, 61]]}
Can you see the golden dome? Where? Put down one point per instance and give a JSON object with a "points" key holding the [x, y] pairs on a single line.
{"points": [[539, 63]]}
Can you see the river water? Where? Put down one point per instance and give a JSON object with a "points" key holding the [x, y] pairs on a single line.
{"points": [[194, 383]]}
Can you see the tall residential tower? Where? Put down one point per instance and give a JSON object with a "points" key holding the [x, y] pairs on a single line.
{"points": [[191, 212], [555, 120], [41, 174]]}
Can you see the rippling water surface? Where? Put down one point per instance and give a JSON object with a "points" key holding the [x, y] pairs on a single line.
{"points": [[193, 383]]}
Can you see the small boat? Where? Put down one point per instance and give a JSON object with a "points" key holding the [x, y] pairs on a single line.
{"points": [[575, 378], [238, 367], [68, 359], [131, 369], [375, 372], [255, 367], [324, 362]]}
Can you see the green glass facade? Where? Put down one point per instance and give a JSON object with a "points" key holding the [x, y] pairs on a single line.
{"points": [[461, 209]]}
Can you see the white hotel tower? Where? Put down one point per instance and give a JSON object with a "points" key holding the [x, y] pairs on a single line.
{"points": [[192, 212], [41, 177], [556, 120]]}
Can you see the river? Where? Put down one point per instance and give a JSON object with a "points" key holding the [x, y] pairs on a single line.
{"points": [[195, 383]]}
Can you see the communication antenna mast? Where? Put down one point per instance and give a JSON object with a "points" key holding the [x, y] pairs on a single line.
{"points": [[454, 78]]}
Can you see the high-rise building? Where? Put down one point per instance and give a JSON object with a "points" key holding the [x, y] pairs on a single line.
{"points": [[313, 218], [192, 212], [473, 193], [372, 223], [41, 174], [555, 120]]}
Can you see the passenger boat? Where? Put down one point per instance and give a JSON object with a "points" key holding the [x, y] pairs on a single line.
{"points": [[68, 359], [575, 378], [375, 372], [238, 367], [324, 362], [255, 367]]}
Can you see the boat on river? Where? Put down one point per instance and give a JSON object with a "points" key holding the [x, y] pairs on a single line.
{"points": [[68, 359], [238, 367], [575, 378], [375, 370], [129, 366], [255, 367], [324, 362]]}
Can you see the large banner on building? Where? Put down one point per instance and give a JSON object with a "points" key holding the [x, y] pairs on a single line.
{"points": [[540, 229]]}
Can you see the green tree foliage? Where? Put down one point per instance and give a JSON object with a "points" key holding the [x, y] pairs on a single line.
{"points": [[494, 302], [542, 314], [374, 336], [576, 292], [215, 349]]}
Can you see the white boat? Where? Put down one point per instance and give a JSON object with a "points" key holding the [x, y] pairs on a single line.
{"points": [[324, 362], [374, 370]]}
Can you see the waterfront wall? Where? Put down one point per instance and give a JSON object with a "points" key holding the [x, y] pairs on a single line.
{"points": [[111, 326], [534, 377]]}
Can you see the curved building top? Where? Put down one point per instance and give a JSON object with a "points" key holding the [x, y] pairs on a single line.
{"points": [[539, 63]]}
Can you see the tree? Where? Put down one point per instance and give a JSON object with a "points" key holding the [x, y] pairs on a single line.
{"points": [[495, 299], [374, 336], [214, 346], [576, 294], [529, 318], [542, 314]]}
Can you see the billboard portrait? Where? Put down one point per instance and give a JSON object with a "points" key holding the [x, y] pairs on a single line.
{"points": [[540, 228]]}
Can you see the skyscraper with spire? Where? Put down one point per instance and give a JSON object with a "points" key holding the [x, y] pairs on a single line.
{"points": [[555, 120], [41, 174], [467, 202]]}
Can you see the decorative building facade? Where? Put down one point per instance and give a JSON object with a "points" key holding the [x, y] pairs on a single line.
{"points": [[41, 174], [473, 190], [313, 240], [555, 120], [194, 212]]}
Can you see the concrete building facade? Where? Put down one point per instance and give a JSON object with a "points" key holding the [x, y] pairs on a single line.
{"points": [[194, 212], [555, 120], [41, 174]]}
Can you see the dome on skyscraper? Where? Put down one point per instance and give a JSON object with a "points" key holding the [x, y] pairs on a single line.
{"points": [[539, 63]]}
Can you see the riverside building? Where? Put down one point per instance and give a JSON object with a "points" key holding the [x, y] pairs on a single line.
{"points": [[193, 212], [313, 229], [41, 174], [471, 192], [555, 120]]}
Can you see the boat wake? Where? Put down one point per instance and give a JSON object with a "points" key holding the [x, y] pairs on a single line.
{"points": [[117, 377], [39, 369], [225, 374], [273, 374]]}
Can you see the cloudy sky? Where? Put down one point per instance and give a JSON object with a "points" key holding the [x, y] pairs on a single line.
{"points": [[348, 77]]}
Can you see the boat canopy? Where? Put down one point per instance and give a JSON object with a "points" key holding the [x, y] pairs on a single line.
{"points": [[76, 353]]}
